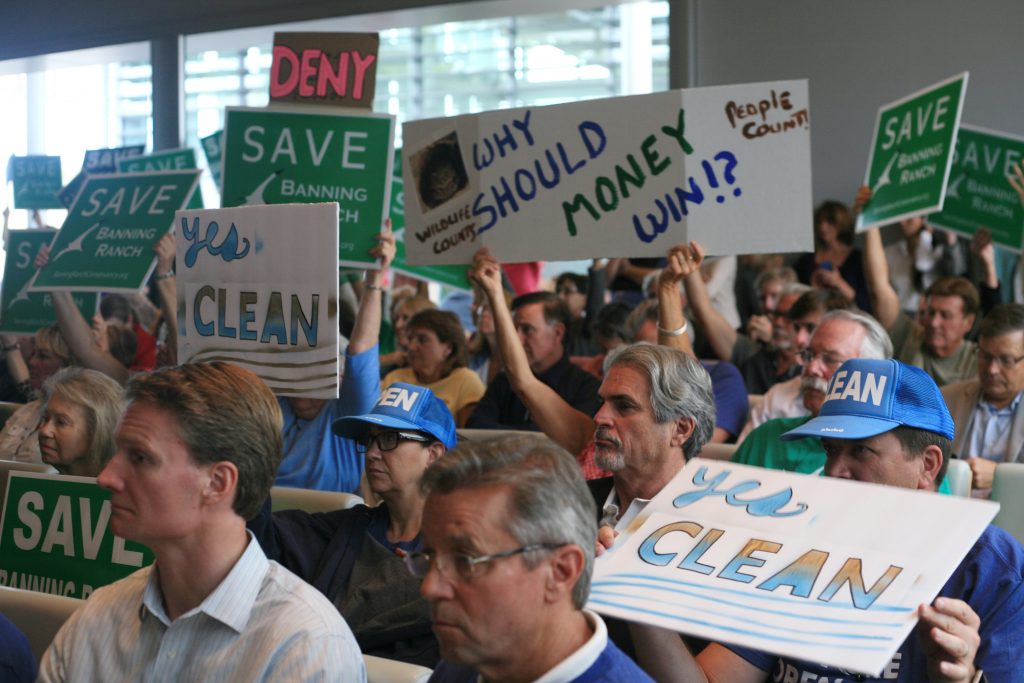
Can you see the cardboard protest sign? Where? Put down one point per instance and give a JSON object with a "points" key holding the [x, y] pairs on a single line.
{"points": [[787, 563], [338, 69], [627, 176], [97, 161], [978, 194], [258, 286], [166, 160], [280, 157], [212, 148], [450, 276], [23, 311], [911, 152], [106, 243], [55, 537], [36, 181]]}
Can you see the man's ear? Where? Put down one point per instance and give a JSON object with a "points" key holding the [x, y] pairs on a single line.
{"points": [[565, 566], [222, 482], [931, 460], [559, 330], [684, 428]]}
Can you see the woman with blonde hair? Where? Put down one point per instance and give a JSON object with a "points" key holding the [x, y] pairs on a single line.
{"points": [[80, 413]]}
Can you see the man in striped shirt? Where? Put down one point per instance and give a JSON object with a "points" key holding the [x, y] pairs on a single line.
{"points": [[197, 448]]}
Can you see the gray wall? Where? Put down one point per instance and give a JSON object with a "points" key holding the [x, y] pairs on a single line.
{"points": [[860, 54]]}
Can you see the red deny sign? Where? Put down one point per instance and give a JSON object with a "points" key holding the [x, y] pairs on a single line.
{"points": [[335, 69]]}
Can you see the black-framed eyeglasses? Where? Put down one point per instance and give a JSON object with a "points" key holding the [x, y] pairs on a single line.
{"points": [[465, 566], [1005, 362], [387, 441]]}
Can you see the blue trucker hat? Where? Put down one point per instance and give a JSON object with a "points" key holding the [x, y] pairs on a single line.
{"points": [[867, 397], [403, 406]]}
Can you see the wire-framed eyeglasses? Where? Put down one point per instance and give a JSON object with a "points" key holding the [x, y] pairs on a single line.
{"points": [[465, 566]]}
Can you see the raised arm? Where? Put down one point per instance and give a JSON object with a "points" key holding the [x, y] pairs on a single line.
{"points": [[77, 333], [16, 365], [565, 425], [1016, 180], [682, 261], [366, 332], [716, 329], [884, 299]]}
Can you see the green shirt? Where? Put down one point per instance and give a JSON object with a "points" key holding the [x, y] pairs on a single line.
{"points": [[908, 341], [764, 447]]}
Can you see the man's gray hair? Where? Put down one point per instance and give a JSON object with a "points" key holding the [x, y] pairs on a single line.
{"points": [[646, 310], [548, 501], [680, 388], [876, 344]]}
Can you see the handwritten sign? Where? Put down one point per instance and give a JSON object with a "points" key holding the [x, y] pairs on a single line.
{"points": [[21, 310], [166, 160], [36, 182], [106, 243], [338, 69], [258, 286], [55, 537], [911, 153], [97, 161], [627, 176], [451, 276], [282, 157], [978, 194], [776, 561]]}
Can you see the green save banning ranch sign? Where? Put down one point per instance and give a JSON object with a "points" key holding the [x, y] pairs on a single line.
{"points": [[283, 157], [36, 182], [911, 153], [55, 537], [23, 311], [97, 161], [978, 194], [168, 160], [212, 148], [106, 243]]}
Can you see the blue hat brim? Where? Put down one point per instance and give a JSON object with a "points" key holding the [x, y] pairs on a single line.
{"points": [[355, 426], [841, 427]]}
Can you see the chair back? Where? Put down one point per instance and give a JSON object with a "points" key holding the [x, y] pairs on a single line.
{"points": [[959, 477], [1008, 491], [38, 615], [381, 670], [311, 500]]}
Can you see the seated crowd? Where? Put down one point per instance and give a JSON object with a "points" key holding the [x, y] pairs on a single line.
{"points": [[474, 559]]}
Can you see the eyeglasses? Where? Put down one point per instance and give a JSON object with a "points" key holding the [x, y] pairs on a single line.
{"points": [[1005, 362], [829, 360], [386, 441], [465, 566], [563, 291]]}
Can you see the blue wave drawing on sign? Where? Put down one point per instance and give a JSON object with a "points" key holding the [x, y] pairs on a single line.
{"points": [[760, 633], [602, 590]]}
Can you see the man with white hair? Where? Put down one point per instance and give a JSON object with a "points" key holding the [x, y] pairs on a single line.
{"points": [[841, 335]]}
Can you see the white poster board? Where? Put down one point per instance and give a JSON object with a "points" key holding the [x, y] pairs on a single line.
{"points": [[786, 563], [627, 176], [258, 286]]}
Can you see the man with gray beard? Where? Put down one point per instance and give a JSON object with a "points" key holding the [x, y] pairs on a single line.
{"points": [[841, 335], [658, 411]]}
